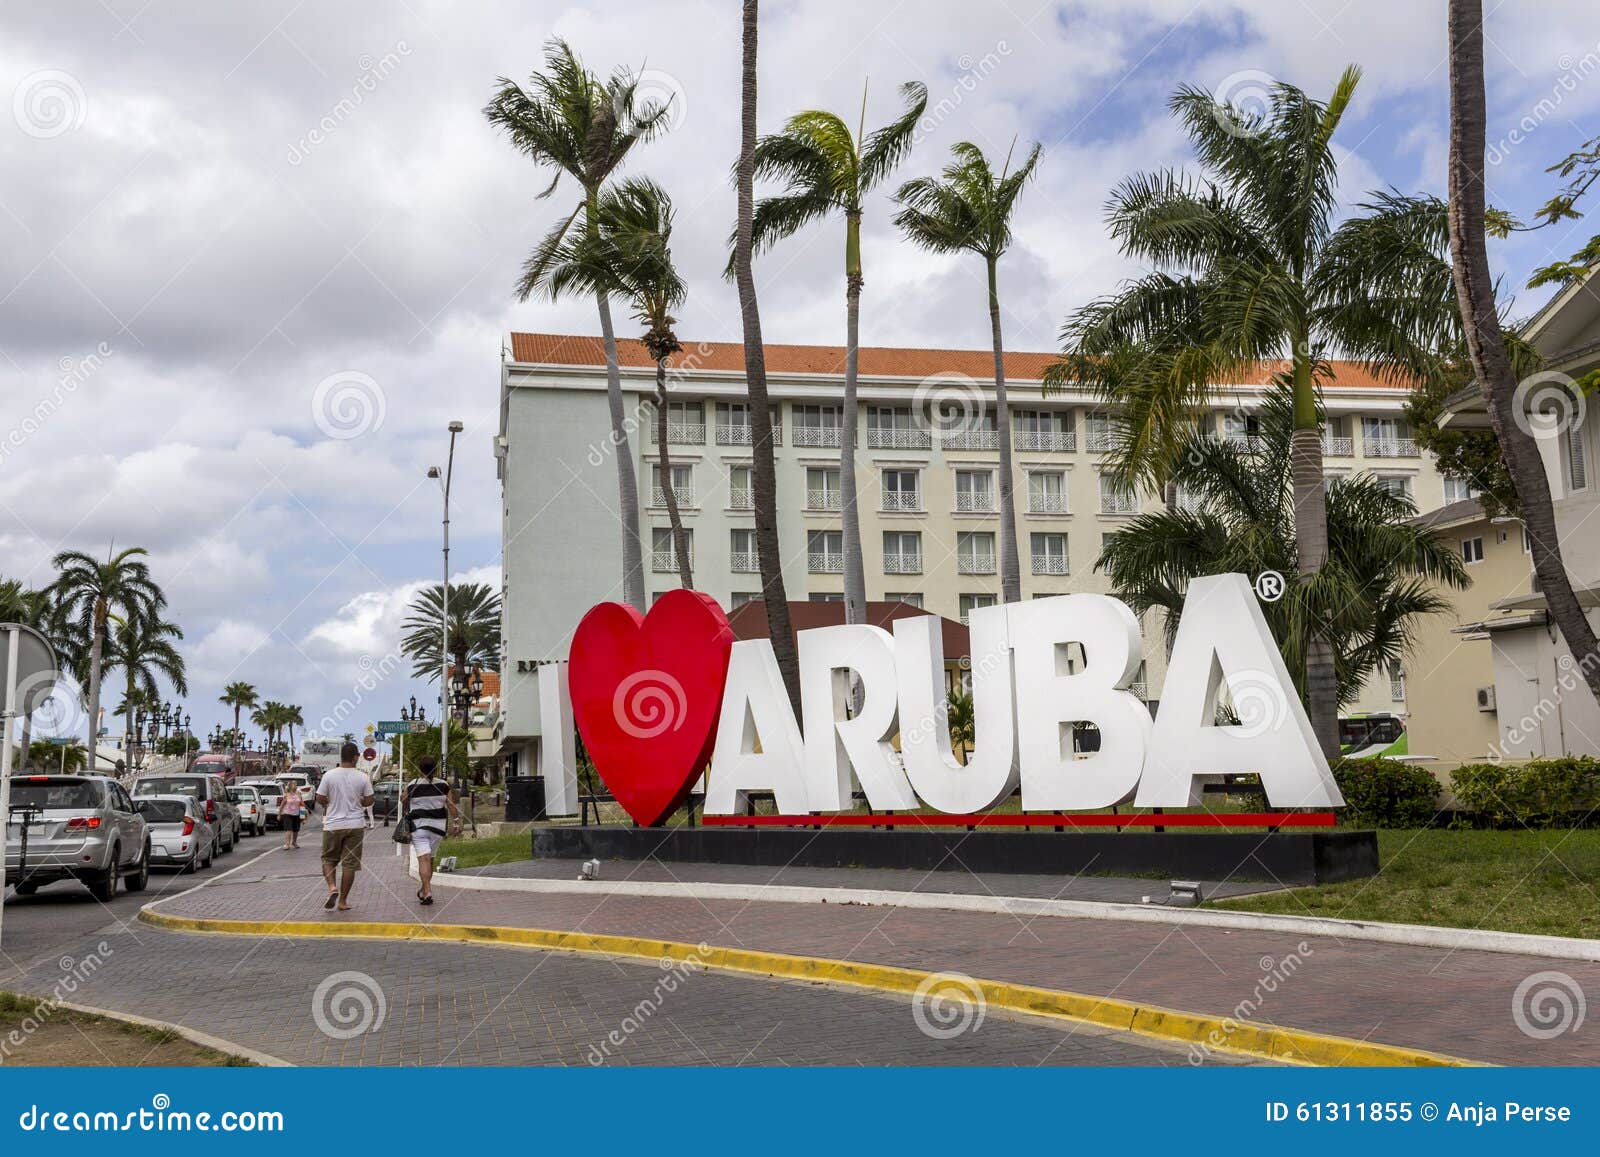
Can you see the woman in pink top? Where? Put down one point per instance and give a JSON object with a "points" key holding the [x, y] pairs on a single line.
{"points": [[290, 814]]}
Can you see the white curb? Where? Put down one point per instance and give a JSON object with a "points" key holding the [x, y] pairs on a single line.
{"points": [[1418, 935], [193, 1036]]}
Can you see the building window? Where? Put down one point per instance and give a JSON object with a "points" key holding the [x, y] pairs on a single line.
{"points": [[741, 489], [1336, 440], [822, 488], [1396, 485], [1527, 541], [909, 598], [1387, 438], [891, 428], [1397, 683], [974, 491], [1457, 489], [1105, 539], [1099, 431], [975, 552], [970, 603], [1047, 492], [817, 425], [663, 557], [901, 490], [686, 424], [1116, 498], [1049, 553], [1577, 459], [961, 430], [902, 552], [682, 485], [1471, 550], [1243, 430], [825, 552], [740, 598], [743, 557], [825, 597], [1043, 430]]}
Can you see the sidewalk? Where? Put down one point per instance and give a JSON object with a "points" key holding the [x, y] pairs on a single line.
{"points": [[1453, 1002]]}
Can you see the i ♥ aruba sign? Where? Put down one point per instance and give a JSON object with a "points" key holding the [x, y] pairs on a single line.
{"points": [[662, 698]]}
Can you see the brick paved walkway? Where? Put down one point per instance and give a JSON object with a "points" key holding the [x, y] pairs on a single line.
{"points": [[1453, 1002]]}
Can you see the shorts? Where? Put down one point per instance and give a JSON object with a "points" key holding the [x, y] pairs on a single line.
{"points": [[343, 847], [292, 822], [425, 842]]}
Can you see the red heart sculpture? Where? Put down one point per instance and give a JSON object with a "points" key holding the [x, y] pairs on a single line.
{"points": [[646, 694]]}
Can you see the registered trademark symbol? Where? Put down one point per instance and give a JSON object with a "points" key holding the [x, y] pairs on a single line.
{"points": [[1270, 586]]}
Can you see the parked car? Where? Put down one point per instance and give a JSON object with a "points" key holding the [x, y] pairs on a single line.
{"points": [[271, 793], [207, 790], [252, 808], [75, 827], [179, 833], [386, 799]]}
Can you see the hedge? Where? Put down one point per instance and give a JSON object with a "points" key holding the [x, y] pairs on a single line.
{"points": [[1543, 793], [1386, 793]]}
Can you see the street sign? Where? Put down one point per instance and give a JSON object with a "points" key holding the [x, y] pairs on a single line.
{"points": [[62, 740], [402, 726], [369, 754]]}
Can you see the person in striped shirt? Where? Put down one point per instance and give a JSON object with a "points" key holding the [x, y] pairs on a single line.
{"points": [[431, 806]]}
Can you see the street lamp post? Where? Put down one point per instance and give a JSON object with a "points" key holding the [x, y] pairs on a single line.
{"points": [[444, 603]]}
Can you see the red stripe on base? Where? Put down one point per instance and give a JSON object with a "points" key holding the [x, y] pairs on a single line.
{"points": [[1035, 820]]}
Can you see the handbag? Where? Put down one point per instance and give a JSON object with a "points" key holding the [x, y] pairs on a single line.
{"points": [[403, 828]]}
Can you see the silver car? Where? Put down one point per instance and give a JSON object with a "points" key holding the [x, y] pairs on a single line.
{"points": [[75, 827], [179, 832], [209, 791]]}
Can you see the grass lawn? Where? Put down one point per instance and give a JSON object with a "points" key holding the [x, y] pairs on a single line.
{"points": [[493, 850], [51, 1037], [1545, 882]]}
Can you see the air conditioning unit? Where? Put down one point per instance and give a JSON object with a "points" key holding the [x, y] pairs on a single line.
{"points": [[1486, 698]]}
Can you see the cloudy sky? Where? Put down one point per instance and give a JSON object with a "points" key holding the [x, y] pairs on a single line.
{"points": [[255, 255]]}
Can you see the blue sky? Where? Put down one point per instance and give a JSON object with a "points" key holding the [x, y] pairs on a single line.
{"points": [[167, 202]]}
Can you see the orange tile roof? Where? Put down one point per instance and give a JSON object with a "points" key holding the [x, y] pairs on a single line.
{"points": [[875, 361]]}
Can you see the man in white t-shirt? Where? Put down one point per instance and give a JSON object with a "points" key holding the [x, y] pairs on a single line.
{"points": [[344, 795]]}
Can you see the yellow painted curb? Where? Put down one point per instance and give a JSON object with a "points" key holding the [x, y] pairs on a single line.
{"points": [[1204, 1032]]}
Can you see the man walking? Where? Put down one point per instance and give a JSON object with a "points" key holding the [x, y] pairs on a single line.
{"points": [[345, 794]]}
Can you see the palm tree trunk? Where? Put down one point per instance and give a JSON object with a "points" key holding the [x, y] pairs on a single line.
{"points": [[627, 480], [763, 471], [1485, 343], [680, 541], [1311, 547], [855, 574], [96, 655], [1010, 563]]}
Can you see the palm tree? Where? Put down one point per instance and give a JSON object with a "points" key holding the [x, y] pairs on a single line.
{"points": [[142, 649], [36, 608], [88, 594], [963, 722], [292, 718], [238, 696], [571, 121], [969, 209], [630, 256], [1486, 346], [474, 629], [1382, 574], [824, 168], [763, 471], [1248, 269]]}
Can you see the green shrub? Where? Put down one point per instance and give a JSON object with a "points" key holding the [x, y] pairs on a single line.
{"points": [[1386, 793], [1542, 793]]}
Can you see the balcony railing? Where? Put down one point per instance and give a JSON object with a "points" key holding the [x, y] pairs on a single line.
{"points": [[1391, 447], [1397, 690], [816, 435], [744, 562], [1117, 502], [824, 562], [681, 433], [902, 500], [666, 561], [1046, 440], [741, 498], [902, 562], [1049, 564], [898, 438], [682, 495], [822, 500], [1338, 447], [974, 502], [970, 439], [743, 434], [1140, 690], [1047, 504], [1252, 443], [975, 564], [1099, 441]]}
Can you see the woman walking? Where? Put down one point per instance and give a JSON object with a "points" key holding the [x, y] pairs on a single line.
{"points": [[431, 807], [289, 813]]}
